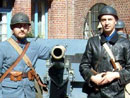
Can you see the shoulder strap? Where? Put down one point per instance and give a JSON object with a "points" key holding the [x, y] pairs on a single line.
{"points": [[19, 50], [15, 63], [108, 51], [116, 65], [27, 61]]}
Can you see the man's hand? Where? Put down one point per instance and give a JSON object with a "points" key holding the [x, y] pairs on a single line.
{"points": [[109, 77], [97, 79]]}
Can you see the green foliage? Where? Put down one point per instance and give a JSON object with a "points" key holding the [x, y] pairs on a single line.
{"points": [[30, 35]]}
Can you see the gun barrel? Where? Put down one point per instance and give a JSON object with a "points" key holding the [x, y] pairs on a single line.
{"points": [[58, 52]]}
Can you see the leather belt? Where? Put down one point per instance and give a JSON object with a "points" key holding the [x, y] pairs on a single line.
{"points": [[24, 75], [18, 76]]}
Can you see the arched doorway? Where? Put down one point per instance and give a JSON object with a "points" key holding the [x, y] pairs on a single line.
{"points": [[91, 22]]}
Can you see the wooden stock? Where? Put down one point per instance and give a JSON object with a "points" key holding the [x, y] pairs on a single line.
{"points": [[113, 64], [116, 67]]}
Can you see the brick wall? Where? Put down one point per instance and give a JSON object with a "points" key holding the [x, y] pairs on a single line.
{"points": [[123, 7], [76, 14], [22, 6], [58, 19], [82, 7]]}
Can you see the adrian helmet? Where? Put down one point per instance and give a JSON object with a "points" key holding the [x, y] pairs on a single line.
{"points": [[107, 10], [120, 24], [20, 18]]}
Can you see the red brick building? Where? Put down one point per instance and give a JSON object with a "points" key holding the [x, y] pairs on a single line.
{"points": [[62, 19]]}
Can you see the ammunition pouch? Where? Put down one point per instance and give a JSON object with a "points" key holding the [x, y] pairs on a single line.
{"points": [[31, 75], [16, 76]]}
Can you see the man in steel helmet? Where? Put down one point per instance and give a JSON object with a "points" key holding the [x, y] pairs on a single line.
{"points": [[22, 87], [20, 21], [102, 79], [120, 26]]}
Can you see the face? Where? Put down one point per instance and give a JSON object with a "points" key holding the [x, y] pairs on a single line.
{"points": [[21, 30], [108, 23]]}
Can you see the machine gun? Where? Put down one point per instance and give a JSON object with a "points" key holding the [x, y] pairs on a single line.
{"points": [[60, 73]]}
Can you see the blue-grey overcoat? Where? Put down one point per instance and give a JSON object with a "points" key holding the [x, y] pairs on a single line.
{"points": [[38, 49]]}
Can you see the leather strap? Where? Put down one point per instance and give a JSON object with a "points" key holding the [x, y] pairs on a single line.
{"points": [[15, 63], [23, 75], [108, 50], [27, 61]]}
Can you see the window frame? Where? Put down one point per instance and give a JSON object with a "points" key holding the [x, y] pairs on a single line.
{"points": [[92, 20]]}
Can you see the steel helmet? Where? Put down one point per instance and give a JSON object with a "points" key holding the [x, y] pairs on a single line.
{"points": [[107, 10], [19, 18], [120, 24]]}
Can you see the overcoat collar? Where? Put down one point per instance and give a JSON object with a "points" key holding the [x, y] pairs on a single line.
{"points": [[112, 40], [21, 41]]}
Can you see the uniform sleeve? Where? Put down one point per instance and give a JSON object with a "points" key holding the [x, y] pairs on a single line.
{"points": [[125, 72], [85, 64], [44, 50], [1, 59]]}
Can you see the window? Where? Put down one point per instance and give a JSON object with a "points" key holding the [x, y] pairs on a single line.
{"points": [[5, 10], [38, 17], [91, 23], [3, 26], [6, 3]]}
